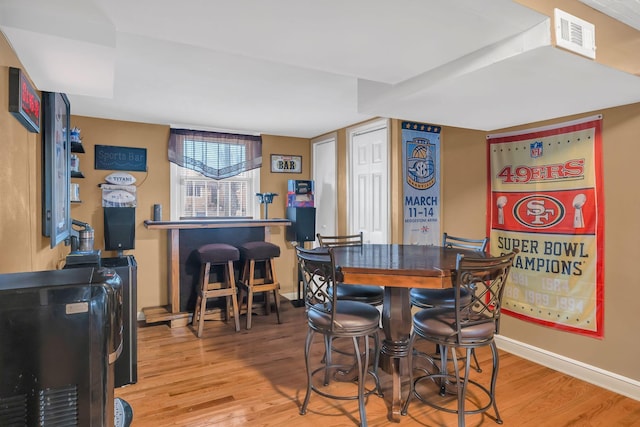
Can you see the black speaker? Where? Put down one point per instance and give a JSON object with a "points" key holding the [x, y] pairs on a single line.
{"points": [[119, 228], [303, 227]]}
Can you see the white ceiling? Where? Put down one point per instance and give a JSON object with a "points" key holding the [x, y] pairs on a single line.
{"points": [[627, 11], [306, 67]]}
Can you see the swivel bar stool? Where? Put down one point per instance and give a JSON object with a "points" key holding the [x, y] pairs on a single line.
{"points": [[333, 318], [444, 297], [470, 323], [369, 294]]}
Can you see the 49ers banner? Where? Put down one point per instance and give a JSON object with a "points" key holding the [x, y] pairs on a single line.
{"points": [[545, 199]]}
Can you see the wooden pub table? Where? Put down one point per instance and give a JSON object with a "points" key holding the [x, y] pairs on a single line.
{"points": [[398, 268]]}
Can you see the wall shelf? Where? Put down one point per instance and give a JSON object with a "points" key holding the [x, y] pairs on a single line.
{"points": [[76, 147]]}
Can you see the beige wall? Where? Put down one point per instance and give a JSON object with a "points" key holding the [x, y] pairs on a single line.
{"points": [[464, 183], [277, 183], [152, 187], [22, 244]]}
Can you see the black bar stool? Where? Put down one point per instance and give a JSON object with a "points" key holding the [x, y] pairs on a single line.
{"points": [[263, 254], [223, 256]]}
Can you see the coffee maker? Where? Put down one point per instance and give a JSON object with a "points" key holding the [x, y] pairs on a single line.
{"points": [[82, 252]]}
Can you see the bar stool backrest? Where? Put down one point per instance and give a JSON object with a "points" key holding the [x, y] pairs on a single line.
{"points": [[340, 241], [449, 241], [486, 278], [319, 277]]}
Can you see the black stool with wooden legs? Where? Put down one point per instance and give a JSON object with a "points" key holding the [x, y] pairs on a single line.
{"points": [[222, 256], [261, 254]]}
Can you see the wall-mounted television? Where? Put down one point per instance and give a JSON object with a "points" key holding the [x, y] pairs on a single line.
{"points": [[56, 178]]}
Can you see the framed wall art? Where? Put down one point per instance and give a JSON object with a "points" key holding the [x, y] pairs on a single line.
{"points": [[286, 164], [56, 218]]}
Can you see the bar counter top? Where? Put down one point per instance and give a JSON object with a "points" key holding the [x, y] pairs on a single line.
{"points": [[183, 238], [215, 223]]}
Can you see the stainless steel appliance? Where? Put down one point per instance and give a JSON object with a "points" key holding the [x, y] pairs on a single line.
{"points": [[81, 240], [82, 252], [60, 335]]}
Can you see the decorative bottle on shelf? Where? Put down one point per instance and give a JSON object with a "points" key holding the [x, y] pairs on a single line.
{"points": [[75, 163], [75, 135]]}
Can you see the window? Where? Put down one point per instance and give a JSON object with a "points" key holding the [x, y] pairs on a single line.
{"points": [[195, 196], [214, 174]]}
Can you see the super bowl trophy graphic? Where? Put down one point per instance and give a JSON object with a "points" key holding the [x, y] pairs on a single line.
{"points": [[500, 203], [578, 203]]}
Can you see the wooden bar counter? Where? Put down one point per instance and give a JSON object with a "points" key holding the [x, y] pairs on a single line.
{"points": [[183, 238]]}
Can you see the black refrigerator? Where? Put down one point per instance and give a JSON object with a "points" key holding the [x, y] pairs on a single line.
{"points": [[126, 367], [60, 335], [125, 266]]}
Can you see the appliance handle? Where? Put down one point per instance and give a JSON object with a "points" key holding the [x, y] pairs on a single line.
{"points": [[114, 356]]}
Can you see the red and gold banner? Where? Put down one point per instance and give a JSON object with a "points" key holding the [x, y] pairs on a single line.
{"points": [[545, 199]]}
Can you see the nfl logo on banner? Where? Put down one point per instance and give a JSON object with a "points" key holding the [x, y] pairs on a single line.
{"points": [[536, 149]]}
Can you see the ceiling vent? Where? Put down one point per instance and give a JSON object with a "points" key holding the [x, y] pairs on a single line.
{"points": [[575, 34]]}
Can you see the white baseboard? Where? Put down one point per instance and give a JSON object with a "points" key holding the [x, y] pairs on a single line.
{"points": [[591, 374], [291, 296]]}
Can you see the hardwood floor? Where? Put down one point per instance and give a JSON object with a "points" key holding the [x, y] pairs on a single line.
{"points": [[257, 378]]}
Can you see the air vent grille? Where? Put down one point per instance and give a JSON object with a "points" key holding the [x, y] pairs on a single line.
{"points": [[575, 34], [59, 407], [13, 411]]}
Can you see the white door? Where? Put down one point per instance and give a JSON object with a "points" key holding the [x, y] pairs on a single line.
{"points": [[369, 181], [324, 177]]}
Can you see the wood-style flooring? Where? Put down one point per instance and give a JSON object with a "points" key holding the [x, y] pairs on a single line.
{"points": [[257, 378]]}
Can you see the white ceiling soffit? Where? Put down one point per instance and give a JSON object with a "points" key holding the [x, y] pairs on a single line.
{"points": [[516, 91], [66, 45], [202, 90], [377, 40], [376, 96], [302, 67], [626, 11]]}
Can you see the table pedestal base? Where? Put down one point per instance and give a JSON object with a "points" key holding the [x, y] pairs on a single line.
{"points": [[396, 324]]}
